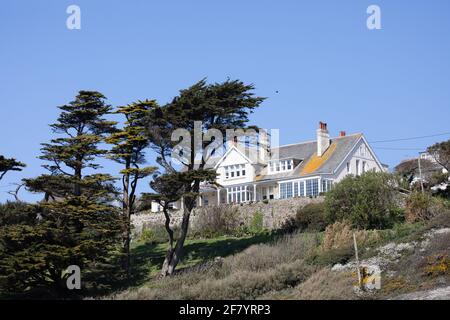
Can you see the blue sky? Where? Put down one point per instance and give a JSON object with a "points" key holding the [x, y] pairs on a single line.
{"points": [[318, 55]]}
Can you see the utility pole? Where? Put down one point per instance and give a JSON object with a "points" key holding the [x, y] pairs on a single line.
{"points": [[420, 174]]}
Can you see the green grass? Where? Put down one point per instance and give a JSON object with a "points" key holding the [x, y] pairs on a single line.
{"points": [[148, 257]]}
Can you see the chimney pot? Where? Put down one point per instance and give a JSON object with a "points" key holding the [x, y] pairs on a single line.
{"points": [[342, 134]]}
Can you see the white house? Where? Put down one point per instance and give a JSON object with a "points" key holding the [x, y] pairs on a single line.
{"points": [[304, 169]]}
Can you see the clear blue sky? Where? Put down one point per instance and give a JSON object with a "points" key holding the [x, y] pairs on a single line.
{"points": [[319, 56]]}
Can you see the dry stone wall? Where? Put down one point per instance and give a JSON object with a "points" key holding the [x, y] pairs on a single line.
{"points": [[275, 213]]}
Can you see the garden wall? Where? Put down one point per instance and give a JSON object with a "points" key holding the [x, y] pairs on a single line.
{"points": [[275, 213]]}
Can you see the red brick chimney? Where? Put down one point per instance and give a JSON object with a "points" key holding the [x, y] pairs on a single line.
{"points": [[341, 133]]}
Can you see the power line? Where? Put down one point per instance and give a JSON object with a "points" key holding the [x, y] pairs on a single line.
{"points": [[400, 149], [413, 138]]}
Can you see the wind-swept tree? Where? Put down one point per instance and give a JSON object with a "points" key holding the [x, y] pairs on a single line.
{"points": [[218, 106], [128, 148], [170, 188], [9, 165]]}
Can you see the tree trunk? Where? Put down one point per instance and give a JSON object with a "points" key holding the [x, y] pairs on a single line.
{"points": [[173, 254], [77, 186], [126, 212], [169, 253]]}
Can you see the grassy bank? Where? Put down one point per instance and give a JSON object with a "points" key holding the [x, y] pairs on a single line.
{"points": [[296, 266]]}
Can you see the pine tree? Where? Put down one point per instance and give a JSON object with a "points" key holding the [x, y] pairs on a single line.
{"points": [[129, 144], [9, 165], [218, 106], [77, 224]]}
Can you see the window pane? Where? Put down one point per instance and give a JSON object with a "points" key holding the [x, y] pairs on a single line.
{"points": [[308, 188], [315, 187], [289, 190], [295, 189]]}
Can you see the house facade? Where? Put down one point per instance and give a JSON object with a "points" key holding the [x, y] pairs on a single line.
{"points": [[304, 169]]}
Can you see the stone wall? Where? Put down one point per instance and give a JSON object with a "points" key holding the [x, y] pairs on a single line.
{"points": [[275, 213]]}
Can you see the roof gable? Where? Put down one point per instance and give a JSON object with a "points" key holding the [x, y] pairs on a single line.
{"points": [[229, 153]]}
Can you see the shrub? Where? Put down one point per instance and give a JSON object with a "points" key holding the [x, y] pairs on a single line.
{"points": [[217, 221], [421, 207], [154, 234], [266, 256], [309, 218], [326, 285], [442, 220], [368, 201], [340, 235], [256, 223]]}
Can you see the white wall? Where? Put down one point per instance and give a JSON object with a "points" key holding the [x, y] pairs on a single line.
{"points": [[363, 155], [235, 158]]}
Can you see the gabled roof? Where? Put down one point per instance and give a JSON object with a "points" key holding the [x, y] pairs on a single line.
{"points": [[310, 163], [228, 152]]}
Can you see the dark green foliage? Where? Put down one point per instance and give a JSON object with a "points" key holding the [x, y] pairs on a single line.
{"points": [[12, 213], [309, 218], [9, 165], [256, 223], [76, 224], [83, 125], [42, 241], [368, 201], [218, 106], [129, 144]]}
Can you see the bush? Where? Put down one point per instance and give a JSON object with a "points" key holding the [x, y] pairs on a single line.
{"points": [[256, 223], [340, 235], [420, 207], [368, 201], [216, 221], [326, 285], [156, 234], [309, 218]]}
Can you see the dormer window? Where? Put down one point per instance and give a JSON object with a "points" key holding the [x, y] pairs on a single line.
{"points": [[281, 165], [234, 171]]}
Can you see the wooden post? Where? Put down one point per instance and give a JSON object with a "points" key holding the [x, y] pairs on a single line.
{"points": [[420, 174], [357, 260]]}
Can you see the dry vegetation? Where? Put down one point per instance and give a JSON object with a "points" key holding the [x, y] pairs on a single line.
{"points": [[298, 266]]}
